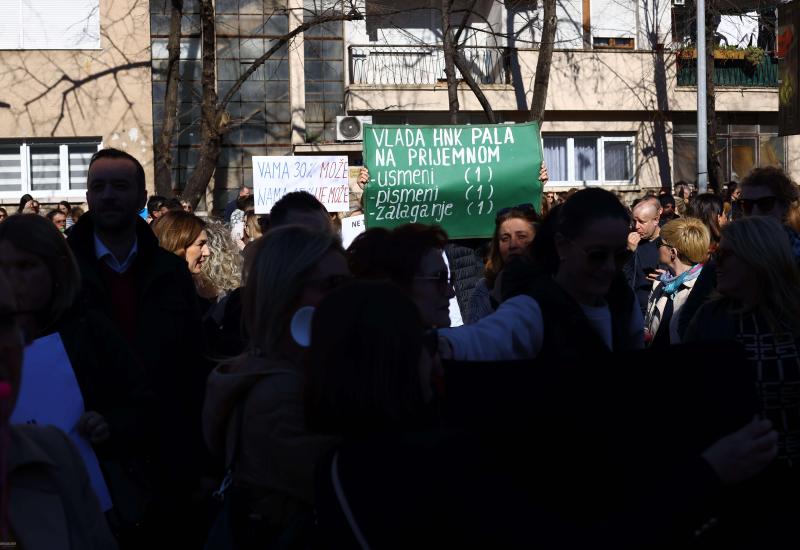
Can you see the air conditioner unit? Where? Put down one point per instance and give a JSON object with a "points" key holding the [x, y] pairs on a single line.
{"points": [[351, 128], [678, 2]]}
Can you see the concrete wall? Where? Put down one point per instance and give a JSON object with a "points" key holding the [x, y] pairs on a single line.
{"points": [[102, 93]]}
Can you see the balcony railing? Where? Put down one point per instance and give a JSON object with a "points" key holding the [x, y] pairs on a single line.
{"points": [[423, 64], [738, 72]]}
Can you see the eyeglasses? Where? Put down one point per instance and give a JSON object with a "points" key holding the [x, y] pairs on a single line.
{"points": [[661, 242], [527, 209], [599, 256], [765, 204], [443, 278]]}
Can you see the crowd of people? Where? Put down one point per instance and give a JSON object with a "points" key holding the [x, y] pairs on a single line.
{"points": [[592, 374]]}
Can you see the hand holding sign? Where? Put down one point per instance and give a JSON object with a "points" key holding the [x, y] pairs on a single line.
{"points": [[94, 427]]}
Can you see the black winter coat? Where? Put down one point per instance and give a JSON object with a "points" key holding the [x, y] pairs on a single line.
{"points": [[168, 347], [466, 266]]}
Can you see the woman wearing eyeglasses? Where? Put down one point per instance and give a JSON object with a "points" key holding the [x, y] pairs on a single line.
{"points": [[683, 248], [411, 257], [253, 415], [571, 300], [515, 229], [768, 191], [758, 305]]}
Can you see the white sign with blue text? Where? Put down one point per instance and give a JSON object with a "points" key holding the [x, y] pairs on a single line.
{"points": [[325, 177]]}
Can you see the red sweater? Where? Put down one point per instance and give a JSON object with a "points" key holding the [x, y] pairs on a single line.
{"points": [[124, 294]]}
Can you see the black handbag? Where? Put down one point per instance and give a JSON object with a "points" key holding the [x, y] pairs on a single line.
{"points": [[130, 490], [225, 532]]}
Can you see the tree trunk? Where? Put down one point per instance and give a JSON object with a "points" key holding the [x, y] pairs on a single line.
{"points": [[162, 150], [543, 63], [212, 125], [449, 47]]}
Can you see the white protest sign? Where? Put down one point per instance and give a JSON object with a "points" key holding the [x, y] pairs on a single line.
{"points": [[324, 177], [352, 227]]}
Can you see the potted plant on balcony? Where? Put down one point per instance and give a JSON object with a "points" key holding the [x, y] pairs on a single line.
{"points": [[755, 55], [752, 54]]}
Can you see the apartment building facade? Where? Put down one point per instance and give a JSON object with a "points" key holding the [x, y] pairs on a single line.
{"points": [[621, 106], [74, 77]]}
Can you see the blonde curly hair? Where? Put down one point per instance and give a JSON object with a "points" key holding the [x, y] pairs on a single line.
{"points": [[222, 272]]}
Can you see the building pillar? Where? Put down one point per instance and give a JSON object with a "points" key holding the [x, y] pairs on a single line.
{"points": [[297, 77]]}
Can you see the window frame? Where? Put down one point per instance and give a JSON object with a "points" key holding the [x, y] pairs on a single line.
{"points": [[726, 137], [47, 195], [94, 15], [601, 164]]}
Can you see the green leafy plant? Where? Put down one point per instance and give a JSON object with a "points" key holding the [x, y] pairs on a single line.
{"points": [[754, 55]]}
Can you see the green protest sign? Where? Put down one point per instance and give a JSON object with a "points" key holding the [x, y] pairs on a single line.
{"points": [[454, 176]]}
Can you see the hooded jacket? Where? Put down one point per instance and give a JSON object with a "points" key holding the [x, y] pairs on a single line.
{"points": [[272, 453]]}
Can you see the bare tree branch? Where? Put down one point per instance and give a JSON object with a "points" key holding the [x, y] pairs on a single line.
{"points": [[461, 63]]}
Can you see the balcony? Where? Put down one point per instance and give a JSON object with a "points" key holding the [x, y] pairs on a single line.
{"points": [[422, 65], [732, 73]]}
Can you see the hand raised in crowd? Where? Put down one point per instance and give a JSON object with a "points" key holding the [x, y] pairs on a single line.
{"points": [[633, 241], [93, 426], [363, 177], [544, 176], [744, 453]]}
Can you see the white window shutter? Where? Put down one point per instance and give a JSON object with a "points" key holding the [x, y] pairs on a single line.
{"points": [[10, 26], [60, 24]]}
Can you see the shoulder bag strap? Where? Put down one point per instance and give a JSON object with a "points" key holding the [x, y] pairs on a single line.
{"points": [[345, 506]]}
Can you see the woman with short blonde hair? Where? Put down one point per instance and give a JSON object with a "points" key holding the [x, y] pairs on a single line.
{"points": [[683, 248]]}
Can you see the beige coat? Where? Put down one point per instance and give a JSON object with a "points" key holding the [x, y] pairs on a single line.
{"points": [[53, 506], [277, 455], [658, 303]]}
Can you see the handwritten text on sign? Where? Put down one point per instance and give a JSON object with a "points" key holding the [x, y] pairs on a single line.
{"points": [[454, 176], [324, 177]]}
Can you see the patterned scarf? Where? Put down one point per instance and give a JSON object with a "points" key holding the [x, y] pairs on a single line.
{"points": [[672, 283]]}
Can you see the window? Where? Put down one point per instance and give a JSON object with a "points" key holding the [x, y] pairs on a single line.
{"points": [[589, 159], [740, 148], [613, 23], [45, 169], [49, 24], [324, 73], [613, 43]]}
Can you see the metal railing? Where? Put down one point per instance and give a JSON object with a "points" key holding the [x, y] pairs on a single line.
{"points": [[732, 73], [423, 64]]}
